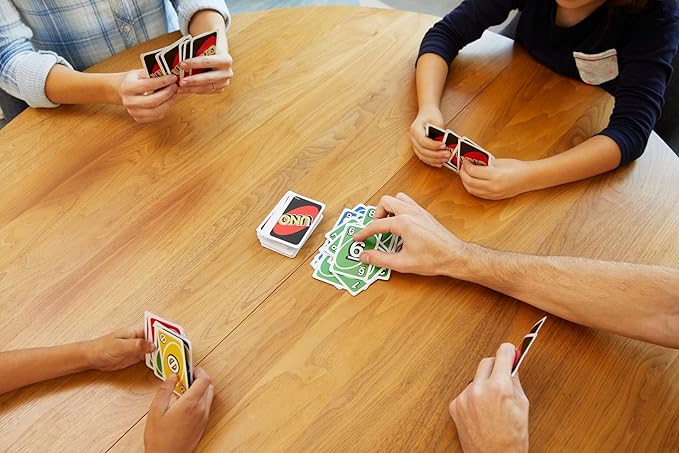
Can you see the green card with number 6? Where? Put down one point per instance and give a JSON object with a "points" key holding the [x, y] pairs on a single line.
{"points": [[346, 260]]}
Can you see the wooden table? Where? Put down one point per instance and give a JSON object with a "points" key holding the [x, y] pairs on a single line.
{"points": [[102, 218]]}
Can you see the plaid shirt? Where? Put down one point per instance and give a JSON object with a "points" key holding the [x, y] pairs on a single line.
{"points": [[37, 34]]}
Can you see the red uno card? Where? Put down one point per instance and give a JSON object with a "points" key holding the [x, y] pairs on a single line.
{"points": [[474, 153], [435, 133], [203, 44]]}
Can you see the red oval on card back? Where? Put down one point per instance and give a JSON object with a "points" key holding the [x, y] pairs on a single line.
{"points": [[296, 220]]}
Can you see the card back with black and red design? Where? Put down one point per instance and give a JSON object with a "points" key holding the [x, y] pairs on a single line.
{"points": [[474, 153], [151, 65], [435, 133], [525, 345], [204, 44], [171, 57], [293, 223], [536, 327]]}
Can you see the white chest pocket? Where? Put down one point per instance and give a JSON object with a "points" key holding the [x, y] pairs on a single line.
{"points": [[596, 69]]}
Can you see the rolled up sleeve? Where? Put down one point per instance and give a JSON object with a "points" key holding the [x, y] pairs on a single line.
{"points": [[23, 70], [187, 8]]}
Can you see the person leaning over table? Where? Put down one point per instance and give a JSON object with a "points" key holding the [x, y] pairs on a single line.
{"points": [[639, 38], [43, 50], [635, 300], [172, 425]]}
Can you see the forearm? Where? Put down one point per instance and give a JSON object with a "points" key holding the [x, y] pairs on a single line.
{"points": [[66, 86], [28, 366], [638, 301], [592, 157], [430, 78], [208, 20]]}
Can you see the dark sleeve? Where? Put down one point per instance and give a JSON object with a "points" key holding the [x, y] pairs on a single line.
{"points": [[646, 62], [465, 24]]}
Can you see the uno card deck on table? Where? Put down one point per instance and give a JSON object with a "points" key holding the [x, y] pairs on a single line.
{"points": [[337, 262], [290, 223], [165, 61], [460, 148], [173, 352]]}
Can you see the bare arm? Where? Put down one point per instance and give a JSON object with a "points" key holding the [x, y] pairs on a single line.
{"points": [[115, 351], [66, 86], [635, 300], [430, 78], [638, 301]]}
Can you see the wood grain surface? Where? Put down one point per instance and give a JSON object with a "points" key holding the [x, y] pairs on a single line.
{"points": [[102, 218]]}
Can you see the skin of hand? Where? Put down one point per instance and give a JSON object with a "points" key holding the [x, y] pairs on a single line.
{"points": [[118, 350], [504, 179], [491, 414], [427, 150], [176, 425], [147, 99], [428, 246]]}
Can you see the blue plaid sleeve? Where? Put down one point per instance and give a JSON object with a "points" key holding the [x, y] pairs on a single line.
{"points": [[187, 8], [23, 71]]}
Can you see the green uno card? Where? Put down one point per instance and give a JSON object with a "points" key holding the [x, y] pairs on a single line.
{"points": [[369, 215], [346, 260], [353, 285], [323, 273]]}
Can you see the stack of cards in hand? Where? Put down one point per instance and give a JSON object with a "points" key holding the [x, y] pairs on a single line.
{"points": [[173, 352], [337, 262], [165, 61], [290, 223], [460, 148], [528, 340]]}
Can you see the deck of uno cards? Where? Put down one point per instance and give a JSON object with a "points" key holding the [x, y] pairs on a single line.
{"points": [[165, 61], [525, 345], [337, 262], [460, 148], [173, 352], [290, 223]]}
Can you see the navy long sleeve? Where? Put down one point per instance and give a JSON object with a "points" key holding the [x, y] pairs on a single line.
{"points": [[645, 42]]}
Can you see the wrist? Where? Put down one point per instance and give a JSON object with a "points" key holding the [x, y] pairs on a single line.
{"points": [[112, 88], [466, 262], [85, 357], [427, 107]]}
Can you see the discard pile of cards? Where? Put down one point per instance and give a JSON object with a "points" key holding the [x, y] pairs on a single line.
{"points": [[173, 351], [459, 147], [290, 223], [527, 341], [165, 61], [337, 262]]}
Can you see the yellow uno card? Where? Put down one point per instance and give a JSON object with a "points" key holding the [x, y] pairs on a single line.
{"points": [[173, 359]]}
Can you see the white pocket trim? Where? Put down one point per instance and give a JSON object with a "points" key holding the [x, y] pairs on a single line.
{"points": [[599, 68]]}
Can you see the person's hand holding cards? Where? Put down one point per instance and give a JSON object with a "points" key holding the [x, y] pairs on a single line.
{"points": [[429, 149], [177, 426], [503, 179], [118, 350], [208, 65], [147, 99], [428, 247]]}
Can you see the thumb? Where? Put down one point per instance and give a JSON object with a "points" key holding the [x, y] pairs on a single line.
{"points": [[162, 399], [518, 389], [381, 259]]}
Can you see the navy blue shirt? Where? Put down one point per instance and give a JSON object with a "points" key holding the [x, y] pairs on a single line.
{"points": [[645, 43]]}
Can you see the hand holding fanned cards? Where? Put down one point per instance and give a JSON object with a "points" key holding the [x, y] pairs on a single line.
{"points": [[460, 148], [165, 61], [525, 345], [337, 262], [288, 226], [173, 352]]}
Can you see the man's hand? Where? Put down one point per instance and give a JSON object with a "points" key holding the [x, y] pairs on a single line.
{"points": [[427, 150], [178, 427], [143, 107], [118, 350], [211, 82], [504, 179], [491, 414], [428, 247]]}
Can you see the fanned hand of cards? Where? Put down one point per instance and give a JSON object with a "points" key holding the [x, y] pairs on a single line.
{"points": [[337, 262], [460, 148], [173, 352], [527, 341], [290, 223], [165, 61]]}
